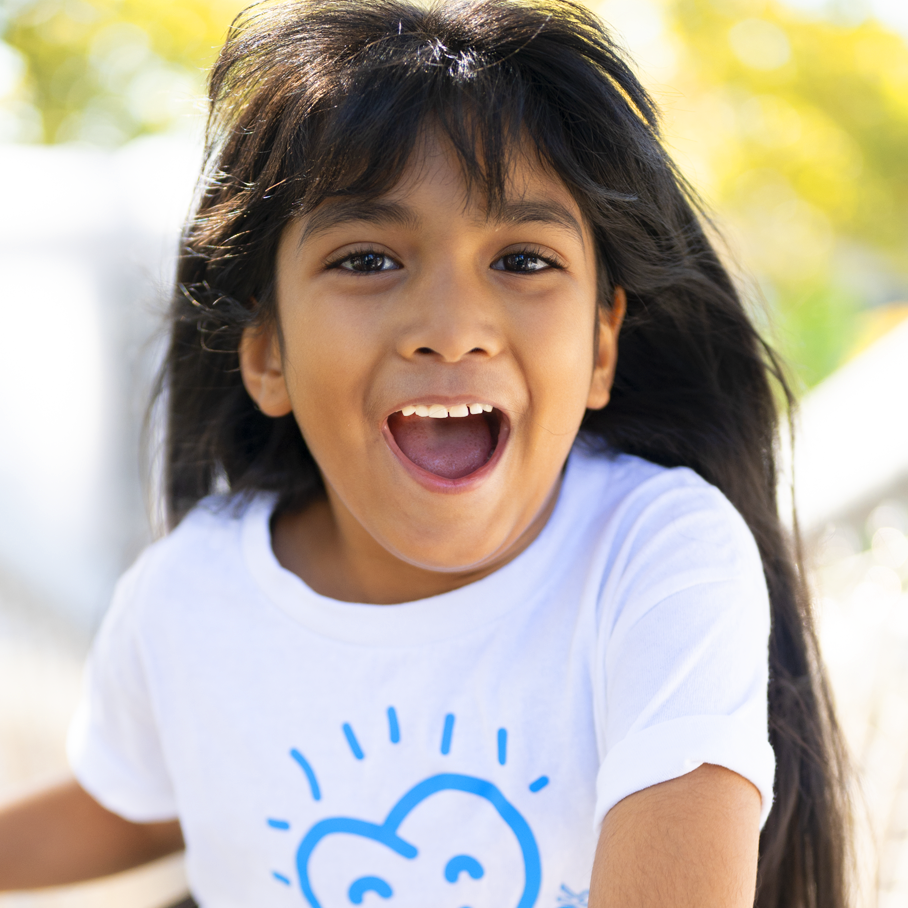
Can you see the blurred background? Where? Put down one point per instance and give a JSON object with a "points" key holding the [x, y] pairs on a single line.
{"points": [[791, 120]]}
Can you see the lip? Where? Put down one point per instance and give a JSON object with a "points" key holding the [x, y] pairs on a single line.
{"points": [[438, 483]]}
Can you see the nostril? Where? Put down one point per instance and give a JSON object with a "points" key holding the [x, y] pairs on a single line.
{"points": [[425, 350]]}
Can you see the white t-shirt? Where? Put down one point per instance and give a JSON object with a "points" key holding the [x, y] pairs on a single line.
{"points": [[458, 750]]}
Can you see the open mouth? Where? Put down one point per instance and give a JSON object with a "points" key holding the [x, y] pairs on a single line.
{"points": [[450, 442]]}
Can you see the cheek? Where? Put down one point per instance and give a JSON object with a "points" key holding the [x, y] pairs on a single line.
{"points": [[314, 383], [559, 355], [326, 361]]}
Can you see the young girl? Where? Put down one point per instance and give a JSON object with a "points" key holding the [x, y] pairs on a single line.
{"points": [[475, 554]]}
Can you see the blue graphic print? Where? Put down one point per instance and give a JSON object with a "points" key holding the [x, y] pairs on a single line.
{"points": [[369, 884], [386, 833], [569, 899], [463, 863]]}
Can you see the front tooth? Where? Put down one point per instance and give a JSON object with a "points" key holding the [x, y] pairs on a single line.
{"points": [[437, 411], [408, 411], [475, 409], [459, 410], [422, 410], [487, 408]]}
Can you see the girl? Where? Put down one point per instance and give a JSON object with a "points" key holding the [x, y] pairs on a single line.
{"points": [[470, 467]]}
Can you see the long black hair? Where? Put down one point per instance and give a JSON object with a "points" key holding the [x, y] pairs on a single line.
{"points": [[324, 98]]}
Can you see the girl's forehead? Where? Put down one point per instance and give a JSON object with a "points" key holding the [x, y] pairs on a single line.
{"points": [[436, 192], [436, 173], [435, 156]]}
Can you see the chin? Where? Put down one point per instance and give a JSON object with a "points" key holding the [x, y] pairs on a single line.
{"points": [[447, 556]]}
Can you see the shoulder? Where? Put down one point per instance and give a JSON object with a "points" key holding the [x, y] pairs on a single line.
{"points": [[662, 527], [641, 496], [203, 552]]}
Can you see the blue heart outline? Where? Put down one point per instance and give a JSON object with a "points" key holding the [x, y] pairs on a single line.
{"points": [[386, 833]]}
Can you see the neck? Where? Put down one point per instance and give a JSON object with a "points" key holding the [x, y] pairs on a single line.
{"points": [[327, 548]]}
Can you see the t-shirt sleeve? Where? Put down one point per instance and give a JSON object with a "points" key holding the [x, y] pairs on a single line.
{"points": [[683, 649], [113, 745]]}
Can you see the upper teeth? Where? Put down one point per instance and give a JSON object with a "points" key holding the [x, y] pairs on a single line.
{"points": [[437, 411]]}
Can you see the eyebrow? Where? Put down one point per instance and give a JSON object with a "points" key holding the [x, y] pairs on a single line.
{"points": [[538, 211], [347, 211], [382, 212]]}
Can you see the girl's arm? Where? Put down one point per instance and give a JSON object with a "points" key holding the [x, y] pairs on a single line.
{"points": [[63, 835], [688, 843]]}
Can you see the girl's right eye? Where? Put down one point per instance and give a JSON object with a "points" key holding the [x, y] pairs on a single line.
{"points": [[367, 262]]}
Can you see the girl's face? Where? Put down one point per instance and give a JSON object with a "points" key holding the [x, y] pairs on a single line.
{"points": [[424, 300]]}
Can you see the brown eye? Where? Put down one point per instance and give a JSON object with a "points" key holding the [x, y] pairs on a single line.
{"points": [[368, 263], [521, 263]]}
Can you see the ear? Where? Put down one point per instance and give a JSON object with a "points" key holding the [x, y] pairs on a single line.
{"points": [[606, 350], [263, 371]]}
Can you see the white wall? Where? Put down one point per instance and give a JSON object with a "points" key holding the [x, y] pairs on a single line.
{"points": [[87, 239], [851, 436]]}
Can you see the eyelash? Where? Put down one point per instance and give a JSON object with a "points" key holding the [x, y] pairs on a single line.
{"points": [[529, 251], [536, 253], [333, 264]]}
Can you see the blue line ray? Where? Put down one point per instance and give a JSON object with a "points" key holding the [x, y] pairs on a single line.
{"points": [[278, 824], [310, 775], [280, 877], [393, 727], [539, 784], [502, 746], [446, 734], [351, 740]]}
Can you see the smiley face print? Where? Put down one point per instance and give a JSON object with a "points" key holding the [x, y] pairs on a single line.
{"points": [[452, 840]]}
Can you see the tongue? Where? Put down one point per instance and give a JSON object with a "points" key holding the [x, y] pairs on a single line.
{"points": [[452, 447]]}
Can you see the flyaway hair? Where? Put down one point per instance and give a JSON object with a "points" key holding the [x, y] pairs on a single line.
{"points": [[327, 99]]}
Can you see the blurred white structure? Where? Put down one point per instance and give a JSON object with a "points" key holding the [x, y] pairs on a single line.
{"points": [[851, 487], [851, 447], [87, 243]]}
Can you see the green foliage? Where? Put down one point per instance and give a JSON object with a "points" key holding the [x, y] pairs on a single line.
{"points": [[105, 71], [815, 328], [801, 125]]}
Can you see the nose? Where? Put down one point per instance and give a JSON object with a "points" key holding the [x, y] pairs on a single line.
{"points": [[450, 316]]}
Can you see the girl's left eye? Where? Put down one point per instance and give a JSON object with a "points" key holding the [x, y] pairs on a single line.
{"points": [[366, 263], [523, 263]]}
